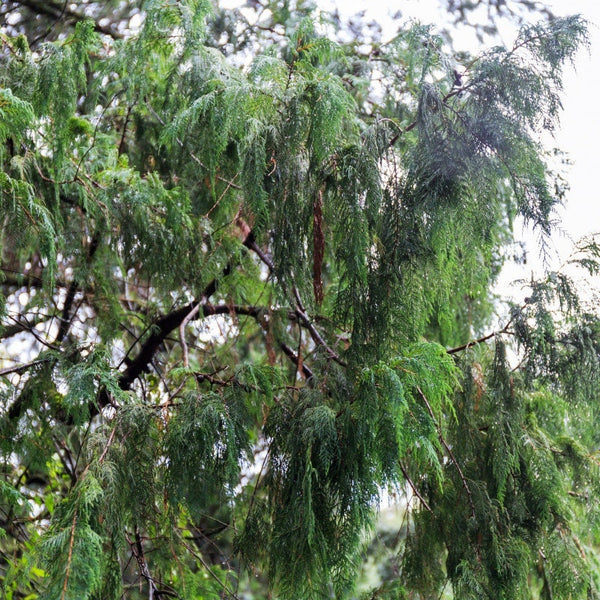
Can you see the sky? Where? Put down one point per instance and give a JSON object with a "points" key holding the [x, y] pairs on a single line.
{"points": [[580, 125]]}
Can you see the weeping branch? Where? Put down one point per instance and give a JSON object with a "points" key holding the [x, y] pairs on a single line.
{"points": [[300, 311], [450, 453]]}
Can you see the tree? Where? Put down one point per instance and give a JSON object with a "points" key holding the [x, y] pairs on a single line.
{"points": [[247, 287]]}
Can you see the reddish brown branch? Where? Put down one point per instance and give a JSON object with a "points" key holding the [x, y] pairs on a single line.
{"points": [[318, 247], [306, 371]]}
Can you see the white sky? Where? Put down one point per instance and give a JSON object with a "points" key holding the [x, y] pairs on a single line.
{"points": [[580, 125]]}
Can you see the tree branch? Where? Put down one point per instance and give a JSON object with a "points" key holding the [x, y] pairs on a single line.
{"points": [[482, 339], [57, 11], [66, 318], [307, 372], [19, 326], [24, 367], [414, 487], [314, 334]]}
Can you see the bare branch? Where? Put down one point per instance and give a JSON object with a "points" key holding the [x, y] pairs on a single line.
{"points": [[23, 367], [485, 338], [19, 326], [292, 355]]}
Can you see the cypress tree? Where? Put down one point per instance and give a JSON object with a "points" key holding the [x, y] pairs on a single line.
{"points": [[247, 290]]}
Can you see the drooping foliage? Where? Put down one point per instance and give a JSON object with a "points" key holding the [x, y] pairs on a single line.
{"points": [[246, 290]]}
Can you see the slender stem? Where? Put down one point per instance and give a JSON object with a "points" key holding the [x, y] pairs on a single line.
{"points": [[70, 555], [413, 487], [485, 338], [22, 368]]}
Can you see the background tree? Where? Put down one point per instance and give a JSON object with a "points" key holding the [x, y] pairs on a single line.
{"points": [[246, 288]]}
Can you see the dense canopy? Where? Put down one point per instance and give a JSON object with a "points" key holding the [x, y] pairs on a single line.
{"points": [[246, 292]]}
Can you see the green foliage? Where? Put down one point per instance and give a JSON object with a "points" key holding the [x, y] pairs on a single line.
{"points": [[16, 115], [71, 550], [205, 444], [242, 273]]}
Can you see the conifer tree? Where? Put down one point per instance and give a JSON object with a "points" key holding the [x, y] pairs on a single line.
{"points": [[247, 290]]}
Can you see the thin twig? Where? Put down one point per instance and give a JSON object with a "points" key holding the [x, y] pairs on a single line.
{"points": [[482, 339], [413, 487], [223, 585], [70, 555], [229, 184], [24, 367]]}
